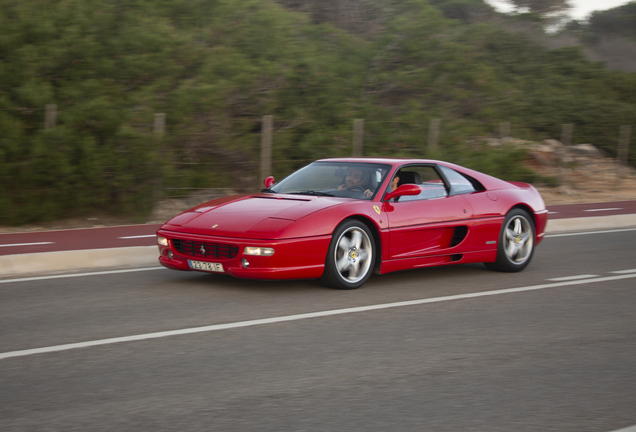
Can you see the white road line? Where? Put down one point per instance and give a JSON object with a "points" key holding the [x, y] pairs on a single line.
{"points": [[603, 209], [552, 212], [136, 237], [624, 271], [265, 321], [71, 275], [627, 429], [590, 232], [26, 244], [566, 278]]}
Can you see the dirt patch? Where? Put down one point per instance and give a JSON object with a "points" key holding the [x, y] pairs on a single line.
{"points": [[584, 174]]}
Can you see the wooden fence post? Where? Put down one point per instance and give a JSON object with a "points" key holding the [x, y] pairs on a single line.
{"points": [[504, 130], [266, 146], [160, 124], [50, 116], [566, 134], [623, 147], [158, 129], [433, 134], [358, 137]]}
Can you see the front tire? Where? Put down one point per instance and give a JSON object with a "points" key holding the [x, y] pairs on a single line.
{"points": [[351, 255], [516, 242]]}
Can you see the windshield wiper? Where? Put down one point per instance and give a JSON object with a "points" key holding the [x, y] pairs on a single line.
{"points": [[312, 192], [267, 190]]}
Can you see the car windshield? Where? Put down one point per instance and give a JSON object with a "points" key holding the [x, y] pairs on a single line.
{"points": [[339, 179]]}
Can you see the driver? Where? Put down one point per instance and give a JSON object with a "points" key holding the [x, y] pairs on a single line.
{"points": [[353, 181], [395, 182]]}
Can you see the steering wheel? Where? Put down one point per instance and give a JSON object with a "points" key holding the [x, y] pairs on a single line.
{"points": [[356, 188]]}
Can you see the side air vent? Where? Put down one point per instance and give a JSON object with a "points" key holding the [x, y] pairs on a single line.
{"points": [[459, 235]]}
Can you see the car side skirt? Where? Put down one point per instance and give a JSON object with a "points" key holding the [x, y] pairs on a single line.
{"points": [[438, 260]]}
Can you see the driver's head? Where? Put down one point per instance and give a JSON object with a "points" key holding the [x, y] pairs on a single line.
{"points": [[394, 183], [354, 177]]}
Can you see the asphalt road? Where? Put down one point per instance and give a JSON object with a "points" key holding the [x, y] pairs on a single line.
{"points": [[557, 355]]}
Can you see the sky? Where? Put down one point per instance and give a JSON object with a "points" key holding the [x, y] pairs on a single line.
{"points": [[581, 8]]}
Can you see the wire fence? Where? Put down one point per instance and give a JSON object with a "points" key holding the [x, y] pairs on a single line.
{"points": [[280, 150], [197, 162]]}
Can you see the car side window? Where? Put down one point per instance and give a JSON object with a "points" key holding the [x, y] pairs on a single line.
{"points": [[458, 183], [426, 177]]}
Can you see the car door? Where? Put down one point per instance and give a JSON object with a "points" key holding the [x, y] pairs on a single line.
{"points": [[483, 234], [428, 223]]}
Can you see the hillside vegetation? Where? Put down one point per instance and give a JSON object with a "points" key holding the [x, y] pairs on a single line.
{"points": [[215, 67]]}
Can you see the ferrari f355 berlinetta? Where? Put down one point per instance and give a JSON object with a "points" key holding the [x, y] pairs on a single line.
{"points": [[340, 220]]}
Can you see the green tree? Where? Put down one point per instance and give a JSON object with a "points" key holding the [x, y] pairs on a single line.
{"points": [[620, 20], [215, 67]]}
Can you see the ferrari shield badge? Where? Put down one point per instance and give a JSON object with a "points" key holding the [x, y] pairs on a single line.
{"points": [[377, 209]]}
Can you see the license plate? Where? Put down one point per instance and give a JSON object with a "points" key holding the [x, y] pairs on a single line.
{"points": [[206, 266]]}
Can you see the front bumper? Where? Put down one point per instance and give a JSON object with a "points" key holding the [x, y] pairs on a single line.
{"points": [[541, 221], [301, 258]]}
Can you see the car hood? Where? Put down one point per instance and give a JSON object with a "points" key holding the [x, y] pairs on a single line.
{"points": [[257, 217]]}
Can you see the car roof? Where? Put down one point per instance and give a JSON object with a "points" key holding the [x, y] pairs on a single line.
{"points": [[384, 160]]}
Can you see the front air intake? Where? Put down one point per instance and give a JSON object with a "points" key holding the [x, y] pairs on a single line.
{"points": [[200, 249]]}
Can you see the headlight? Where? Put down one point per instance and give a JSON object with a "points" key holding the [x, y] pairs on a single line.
{"points": [[162, 241], [260, 251]]}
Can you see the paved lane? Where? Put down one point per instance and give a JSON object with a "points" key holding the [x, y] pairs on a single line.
{"points": [[614, 208], [555, 359], [78, 239], [133, 303], [144, 235]]}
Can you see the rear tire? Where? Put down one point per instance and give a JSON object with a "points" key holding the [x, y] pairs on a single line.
{"points": [[351, 256], [516, 242]]}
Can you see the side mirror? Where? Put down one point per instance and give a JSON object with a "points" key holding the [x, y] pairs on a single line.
{"points": [[268, 182], [405, 189]]}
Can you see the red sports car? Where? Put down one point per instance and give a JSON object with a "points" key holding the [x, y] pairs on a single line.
{"points": [[342, 219]]}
